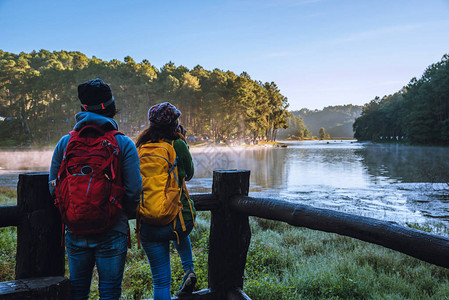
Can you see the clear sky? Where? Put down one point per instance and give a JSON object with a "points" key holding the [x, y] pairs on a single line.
{"points": [[319, 52]]}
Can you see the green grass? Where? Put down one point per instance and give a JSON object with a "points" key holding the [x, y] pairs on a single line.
{"points": [[283, 262], [298, 263], [8, 238], [8, 242], [8, 196]]}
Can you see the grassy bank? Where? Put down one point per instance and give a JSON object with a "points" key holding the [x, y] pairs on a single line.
{"points": [[8, 238], [284, 262], [299, 263]]}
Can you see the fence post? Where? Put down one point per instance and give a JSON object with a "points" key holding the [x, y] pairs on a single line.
{"points": [[230, 234], [39, 250]]}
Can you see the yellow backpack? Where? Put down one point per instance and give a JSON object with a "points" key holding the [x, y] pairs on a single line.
{"points": [[160, 202]]}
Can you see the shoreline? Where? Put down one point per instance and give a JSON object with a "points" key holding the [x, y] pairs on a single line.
{"points": [[277, 143], [264, 144]]}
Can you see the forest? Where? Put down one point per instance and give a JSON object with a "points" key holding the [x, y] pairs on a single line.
{"points": [[38, 97], [417, 114], [329, 122]]}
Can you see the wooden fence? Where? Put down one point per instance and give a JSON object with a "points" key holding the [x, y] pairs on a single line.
{"points": [[40, 257]]}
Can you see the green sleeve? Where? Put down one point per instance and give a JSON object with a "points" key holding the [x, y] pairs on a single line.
{"points": [[185, 169], [185, 162]]}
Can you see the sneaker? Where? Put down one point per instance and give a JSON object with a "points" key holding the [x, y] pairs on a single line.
{"points": [[188, 284]]}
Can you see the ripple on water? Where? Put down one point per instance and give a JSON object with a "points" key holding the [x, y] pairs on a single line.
{"points": [[363, 179], [9, 180]]}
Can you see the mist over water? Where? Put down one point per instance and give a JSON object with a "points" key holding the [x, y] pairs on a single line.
{"points": [[390, 182], [405, 184], [26, 160], [14, 162]]}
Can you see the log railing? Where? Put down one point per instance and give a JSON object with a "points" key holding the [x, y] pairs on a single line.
{"points": [[40, 257]]}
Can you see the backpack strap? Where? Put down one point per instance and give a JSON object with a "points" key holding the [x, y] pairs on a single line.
{"points": [[174, 230], [64, 156], [184, 188], [181, 217]]}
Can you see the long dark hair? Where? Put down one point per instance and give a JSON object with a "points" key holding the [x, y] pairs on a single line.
{"points": [[154, 134]]}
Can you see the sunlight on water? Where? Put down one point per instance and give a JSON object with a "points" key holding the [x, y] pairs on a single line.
{"points": [[389, 182]]}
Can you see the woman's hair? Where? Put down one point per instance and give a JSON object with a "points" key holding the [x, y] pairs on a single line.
{"points": [[154, 134]]}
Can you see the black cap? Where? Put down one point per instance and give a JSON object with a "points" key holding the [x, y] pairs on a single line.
{"points": [[96, 96]]}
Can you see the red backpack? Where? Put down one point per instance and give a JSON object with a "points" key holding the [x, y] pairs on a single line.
{"points": [[88, 187]]}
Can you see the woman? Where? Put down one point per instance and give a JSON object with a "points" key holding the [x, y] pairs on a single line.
{"points": [[155, 239]]}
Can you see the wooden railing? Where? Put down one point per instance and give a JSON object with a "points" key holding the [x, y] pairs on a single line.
{"points": [[40, 257]]}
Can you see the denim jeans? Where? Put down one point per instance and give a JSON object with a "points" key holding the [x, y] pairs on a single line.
{"points": [[108, 252], [155, 241]]}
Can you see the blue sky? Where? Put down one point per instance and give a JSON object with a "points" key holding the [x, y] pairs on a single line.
{"points": [[319, 52]]}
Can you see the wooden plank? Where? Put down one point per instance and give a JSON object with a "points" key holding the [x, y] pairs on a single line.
{"points": [[422, 245], [204, 294], [9, 215], [204, 202], [39, 249], [37, 288], [237, 294]]}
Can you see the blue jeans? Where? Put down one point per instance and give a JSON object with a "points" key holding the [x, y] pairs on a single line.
{"points": [[155, 242], [108, 252]]}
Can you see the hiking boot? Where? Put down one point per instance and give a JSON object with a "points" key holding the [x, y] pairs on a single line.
{"points": [[188, 284]]}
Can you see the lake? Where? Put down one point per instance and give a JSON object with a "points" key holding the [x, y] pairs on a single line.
{"points": [[401, 183]]}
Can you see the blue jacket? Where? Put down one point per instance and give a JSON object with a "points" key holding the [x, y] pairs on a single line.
{"points": [[129, 160]]}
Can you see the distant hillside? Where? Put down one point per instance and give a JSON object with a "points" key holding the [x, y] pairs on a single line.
{"points": [[336, 120]]}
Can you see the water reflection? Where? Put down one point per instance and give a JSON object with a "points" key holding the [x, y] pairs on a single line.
{"points": [[390, 182], [406, 163], [420, 172], [267, 166]]}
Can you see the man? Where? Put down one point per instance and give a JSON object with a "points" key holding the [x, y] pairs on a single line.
{"points": [[107, 249]]}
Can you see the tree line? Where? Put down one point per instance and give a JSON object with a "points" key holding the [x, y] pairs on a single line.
{"points": [[38, 97], [329, 122], [418, 113]]}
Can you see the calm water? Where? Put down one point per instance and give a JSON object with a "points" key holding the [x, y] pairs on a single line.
{"points": [[390, 182]]}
